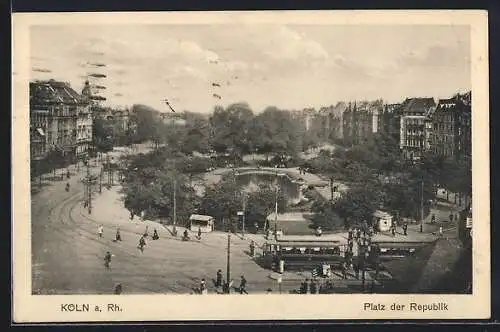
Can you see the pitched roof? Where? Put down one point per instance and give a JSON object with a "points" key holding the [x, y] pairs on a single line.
{"points": [[451, 104], [200, 217], [418, 105], [53, 92]]}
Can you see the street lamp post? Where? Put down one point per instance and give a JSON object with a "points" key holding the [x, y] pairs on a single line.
{"points": [[88, 189], [243, 215], [175, 207], [228, 266], [276, 208], [100, 180], [422, 207]]}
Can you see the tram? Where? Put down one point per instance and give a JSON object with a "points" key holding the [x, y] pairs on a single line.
{"points": [[304, 252]]}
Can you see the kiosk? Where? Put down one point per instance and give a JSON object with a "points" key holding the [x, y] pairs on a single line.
{"points": [[201, 222]]}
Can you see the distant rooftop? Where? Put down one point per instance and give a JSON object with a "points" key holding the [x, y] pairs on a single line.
{"points": [[54, 92], [418, 105]]}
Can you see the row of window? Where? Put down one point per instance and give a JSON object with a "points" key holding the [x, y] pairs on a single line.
{"points": [[414, 142]]}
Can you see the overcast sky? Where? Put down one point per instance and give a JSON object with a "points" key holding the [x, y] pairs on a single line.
{"points": [[285, 66]]}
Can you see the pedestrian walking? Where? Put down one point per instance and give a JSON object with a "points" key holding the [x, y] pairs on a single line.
{"points": [[218, 278], [203, 287], [393, 230], [142, 243], [107, 260], [433, 218], [100, 230], [155, 234], [243, 285], [226, 287], [313, 287], [304, 287], [131, 215], [185, 237], [199, 233], [118, 289], [118, 236], [349, 234], [344, 270], [405, 229], [252, 249]]}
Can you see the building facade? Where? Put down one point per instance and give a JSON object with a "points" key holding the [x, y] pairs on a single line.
{"points": [[451, 129], [56, 110], [412, 134], [361, 120]]}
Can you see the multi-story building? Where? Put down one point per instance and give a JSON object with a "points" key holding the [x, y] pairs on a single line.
{"points": [[361, 120], [55, 110], [84, 123], [451, 129], [336, 121], [412, 126], [390, 120]]}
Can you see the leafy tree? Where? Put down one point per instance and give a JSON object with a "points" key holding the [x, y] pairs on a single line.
{"points": [[326, 216], [262, 202], [103, 135], [225, 199], [197, 134], [151, 190], [230, 128], [222, 201], [357, 205], [150, 126], [275, 132], [192, 166]]}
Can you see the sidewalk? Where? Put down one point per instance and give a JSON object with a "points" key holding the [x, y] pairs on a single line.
{"points": [[108, 210]]}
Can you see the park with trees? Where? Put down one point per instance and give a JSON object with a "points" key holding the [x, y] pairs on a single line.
{"points": [[374, 171]]}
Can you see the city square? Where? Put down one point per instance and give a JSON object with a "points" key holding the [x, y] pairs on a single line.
{"points": [[150, 192]]}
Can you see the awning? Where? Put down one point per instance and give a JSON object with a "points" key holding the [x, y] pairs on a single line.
{"points": [[40, 131]]}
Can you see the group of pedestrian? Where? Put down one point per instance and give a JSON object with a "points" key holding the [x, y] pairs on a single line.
{"points": [[309, 287], [358, 244], [118, 238], [224, 287], [142, 239]]}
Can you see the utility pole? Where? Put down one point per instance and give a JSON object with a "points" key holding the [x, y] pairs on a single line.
{"points": [[276, 209], [422, 207], [244, 209], [228, 267], [89, 189], [331, 188], [100, 180], [175, 206]]}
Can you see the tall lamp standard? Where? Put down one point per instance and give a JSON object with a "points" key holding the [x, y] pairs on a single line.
{"points": [[174, 230], [88, 181], [276, 208], [422, 207]]}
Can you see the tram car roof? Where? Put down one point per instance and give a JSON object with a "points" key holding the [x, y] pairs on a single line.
{"points": [[310, 239]]}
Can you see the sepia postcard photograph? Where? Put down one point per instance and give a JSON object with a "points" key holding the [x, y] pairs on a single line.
{"points": [[275, 165]]}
